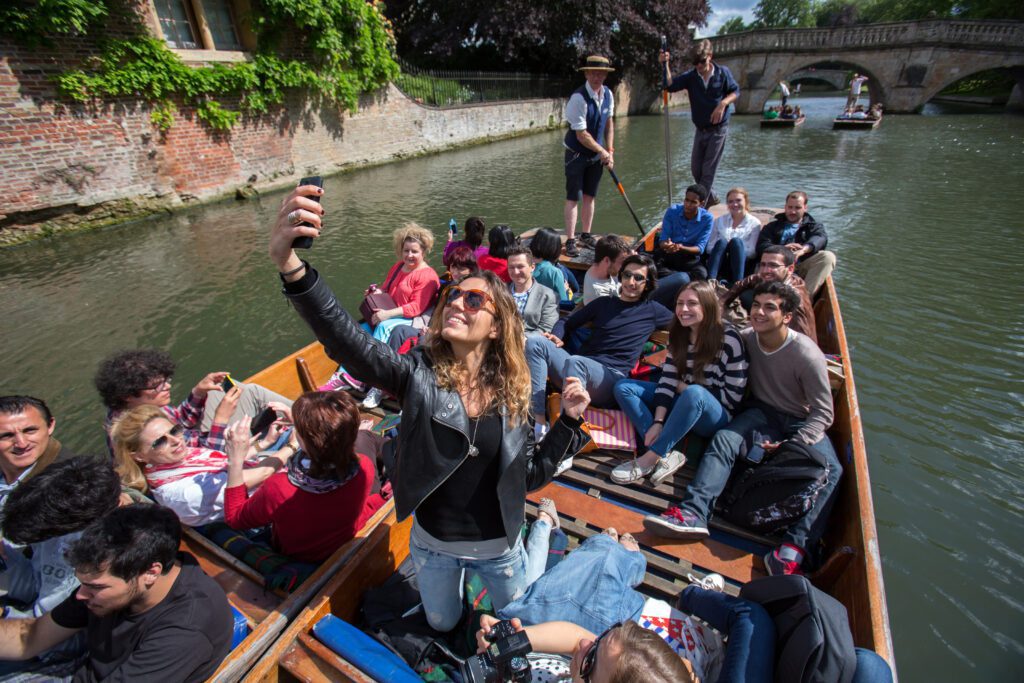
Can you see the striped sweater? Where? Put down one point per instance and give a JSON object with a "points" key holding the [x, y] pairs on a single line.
{"points": [[725, 377]]}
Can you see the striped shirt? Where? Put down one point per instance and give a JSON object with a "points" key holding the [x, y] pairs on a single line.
{"points": [[725, 378]]}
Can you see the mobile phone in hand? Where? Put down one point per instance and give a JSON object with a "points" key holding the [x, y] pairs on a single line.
{"points": [[227, 384], [263, 421], [307, 242], [453, 227], [755, 454]]}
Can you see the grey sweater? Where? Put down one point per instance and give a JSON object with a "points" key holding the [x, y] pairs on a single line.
{"points": [[792, 379]]}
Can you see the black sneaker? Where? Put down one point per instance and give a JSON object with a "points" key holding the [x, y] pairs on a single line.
{"points": [[587, 240], [571, 250]]}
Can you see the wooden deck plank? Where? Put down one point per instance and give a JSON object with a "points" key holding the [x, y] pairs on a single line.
{"points": [[708, 554]]}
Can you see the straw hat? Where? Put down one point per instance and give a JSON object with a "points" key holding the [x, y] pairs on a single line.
{"points": [[596, 63]]}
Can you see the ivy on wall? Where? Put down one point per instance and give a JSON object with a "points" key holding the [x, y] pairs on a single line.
{"points": [[335, 49]]}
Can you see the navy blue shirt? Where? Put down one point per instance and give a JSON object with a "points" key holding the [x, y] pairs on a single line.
{"points": [[704, 100], [620, 329]]}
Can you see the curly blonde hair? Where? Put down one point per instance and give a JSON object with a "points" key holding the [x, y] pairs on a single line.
{"points": [[415, 232], [126, 435], [504, 375]]}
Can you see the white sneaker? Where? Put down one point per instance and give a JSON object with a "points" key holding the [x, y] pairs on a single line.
{"points": [[373, 398], [563, 466], [667, 466], [711, 582], [631, 471]]}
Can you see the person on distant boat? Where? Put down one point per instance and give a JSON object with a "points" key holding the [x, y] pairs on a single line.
{"points": [[795, 229], [546, 247], [771, 113], [712, 89], [149, 613], [784, 92], [44, 516], [474, 231], [621, 325], [602, 278], [790, 399], [500, 239], [140, 377], [859, 112], [798, 112], [589, 147], [777, 265], [787, 113], [594, 591], [537, 304], [27, 444], [733, 238], [856, 83], [702, 382], [875, 112], [466, 450], [324, 495], [846, 113], [152, 455], [682, 240]]}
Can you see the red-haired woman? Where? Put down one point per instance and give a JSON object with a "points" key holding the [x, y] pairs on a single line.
{"points": [[323, 496]]}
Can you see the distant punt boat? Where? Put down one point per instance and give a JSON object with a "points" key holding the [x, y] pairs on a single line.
{"points": [[783, 123], [855, 124]]}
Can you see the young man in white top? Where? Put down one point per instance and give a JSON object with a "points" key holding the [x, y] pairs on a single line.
{"points": [[790, 399], [602, 278]]}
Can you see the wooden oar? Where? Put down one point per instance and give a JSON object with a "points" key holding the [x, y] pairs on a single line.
{"points": [[664, 106], [618, 184]]}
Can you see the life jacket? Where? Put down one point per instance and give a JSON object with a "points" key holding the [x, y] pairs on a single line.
{"points": [[597, 120]]}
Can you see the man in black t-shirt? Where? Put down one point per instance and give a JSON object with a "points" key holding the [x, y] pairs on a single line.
{"points": [[149, 612]]}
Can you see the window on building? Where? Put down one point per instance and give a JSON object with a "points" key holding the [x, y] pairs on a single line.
{"points": [[198, 24]]}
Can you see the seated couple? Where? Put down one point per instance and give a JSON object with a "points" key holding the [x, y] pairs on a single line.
{"points": [[587, 607], [147, 612], [129, 379], [315, 492]]}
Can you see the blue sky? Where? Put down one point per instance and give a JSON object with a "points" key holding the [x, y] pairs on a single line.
{"points": [[724, 10]]}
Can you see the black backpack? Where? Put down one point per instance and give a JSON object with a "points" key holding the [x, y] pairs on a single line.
{"points": [[774, 494], [812, 630]]}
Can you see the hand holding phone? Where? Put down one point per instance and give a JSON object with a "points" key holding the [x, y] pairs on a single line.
{"points": [[263, 421], [228, 383], [453, 227], [307, 242]]}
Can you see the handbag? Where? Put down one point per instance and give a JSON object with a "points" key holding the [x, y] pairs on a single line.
{"points": [[379, 299], [608, 429]]}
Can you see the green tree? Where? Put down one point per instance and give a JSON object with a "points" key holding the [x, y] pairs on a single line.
{"points": [[734, 25], [784, 13]]}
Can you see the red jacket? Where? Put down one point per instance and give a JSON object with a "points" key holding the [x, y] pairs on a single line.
{"points": [[498, 266], [306, 526]]}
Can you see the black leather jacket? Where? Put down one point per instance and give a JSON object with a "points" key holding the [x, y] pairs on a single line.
{"points": [[811, 232], [433, 435]]}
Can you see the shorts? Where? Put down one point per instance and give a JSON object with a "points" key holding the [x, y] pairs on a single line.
{"points": [[581, 174]]}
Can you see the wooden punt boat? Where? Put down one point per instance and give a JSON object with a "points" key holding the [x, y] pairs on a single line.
{"points": [[855, 124], [269, 612], [588, 502], [783, 123]]}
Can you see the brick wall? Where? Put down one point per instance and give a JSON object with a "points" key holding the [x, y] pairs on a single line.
{"points": [[63, 167]]}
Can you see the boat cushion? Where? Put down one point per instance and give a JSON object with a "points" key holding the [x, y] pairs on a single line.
{"points": [[362, 651], [240, 628]]}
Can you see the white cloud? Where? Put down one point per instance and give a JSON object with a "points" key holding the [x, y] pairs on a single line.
{"points": [[724, 10]]}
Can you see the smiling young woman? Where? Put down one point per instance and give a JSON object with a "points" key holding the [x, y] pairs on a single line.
{"points": [[465, 400]]}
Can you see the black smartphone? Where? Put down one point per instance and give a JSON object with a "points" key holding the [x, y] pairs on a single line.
{"points": [[453, 227], [755, 454], [263, 421], [307, 242], [227, 384]]}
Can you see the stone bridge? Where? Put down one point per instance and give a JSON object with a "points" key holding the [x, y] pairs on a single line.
{"points": [[837, 78], [908, 63]]}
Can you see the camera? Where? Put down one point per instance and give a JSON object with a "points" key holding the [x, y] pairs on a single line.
{"points": [[504, 660]]}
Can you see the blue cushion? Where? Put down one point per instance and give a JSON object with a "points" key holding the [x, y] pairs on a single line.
{"points": [[240, 629], [363, 652]]}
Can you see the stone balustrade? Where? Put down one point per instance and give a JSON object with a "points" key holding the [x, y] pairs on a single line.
{"points": [[945, 32]]}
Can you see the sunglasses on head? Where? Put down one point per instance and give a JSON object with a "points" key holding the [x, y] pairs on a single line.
{"points": [[590, 659], [633, 275], [176, 431], [472, 299]]}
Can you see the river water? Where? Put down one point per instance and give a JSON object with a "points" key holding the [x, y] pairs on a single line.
{"points": [[924, 213]]}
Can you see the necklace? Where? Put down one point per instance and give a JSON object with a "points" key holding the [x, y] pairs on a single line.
{"points": [[473, 450]]}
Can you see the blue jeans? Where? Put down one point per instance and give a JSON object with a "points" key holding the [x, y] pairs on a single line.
{"points": [[592, 587], [871, 668], [537, 545], [750, 655], [668, 289], [694, 409], [737, 252], [720, 456], [440, 577], [544, 359]]}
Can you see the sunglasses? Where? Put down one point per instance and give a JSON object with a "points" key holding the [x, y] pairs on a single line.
{"points": [[590, 659], [633, 275], [472, 299], [176, 431]]}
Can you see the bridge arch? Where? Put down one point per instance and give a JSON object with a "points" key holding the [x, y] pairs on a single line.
{"points": [[1016, 70], [876, 88]]}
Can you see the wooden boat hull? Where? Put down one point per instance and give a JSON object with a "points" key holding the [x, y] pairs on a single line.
{"points": [[855, 124], [783, 123], [587, 502]]}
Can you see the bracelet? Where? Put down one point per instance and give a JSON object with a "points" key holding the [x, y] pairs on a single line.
{"points": [[660, 422], [294, 270]]}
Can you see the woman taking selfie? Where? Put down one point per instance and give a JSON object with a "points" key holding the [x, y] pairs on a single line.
{"points": [[466, 454]]}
